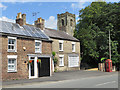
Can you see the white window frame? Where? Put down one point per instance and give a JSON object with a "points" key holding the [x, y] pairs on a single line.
{"points": [[69, 61], [12, 57], [61, 41], [40, 47], [73, 43], [15, 45], [61, 56]]}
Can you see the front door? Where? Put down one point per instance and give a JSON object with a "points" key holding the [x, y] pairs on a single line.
{"points": [[32, 67], [44, 67]]}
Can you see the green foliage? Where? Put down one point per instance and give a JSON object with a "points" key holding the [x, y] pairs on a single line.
{"points": [[103, 59], [55, 70], [55, 60], [96, 20], [53, 53]]}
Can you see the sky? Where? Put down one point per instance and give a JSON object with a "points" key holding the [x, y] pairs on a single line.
{"points": [[46, 10]]}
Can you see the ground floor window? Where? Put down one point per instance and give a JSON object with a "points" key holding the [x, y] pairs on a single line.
{"points": [[73, 61], [61, 60], [12, 63]]}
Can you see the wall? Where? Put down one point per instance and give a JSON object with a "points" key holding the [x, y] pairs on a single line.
{"points": [[67, 47], [22, 68]]}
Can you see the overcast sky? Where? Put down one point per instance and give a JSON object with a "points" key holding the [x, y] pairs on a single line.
{"points": [[46, 10]]}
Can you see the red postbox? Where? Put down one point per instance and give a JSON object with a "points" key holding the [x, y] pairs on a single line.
{"points": [[108, 65]]}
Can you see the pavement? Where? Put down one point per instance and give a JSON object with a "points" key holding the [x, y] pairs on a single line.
{"points": [[59, 76], [93, 69]]}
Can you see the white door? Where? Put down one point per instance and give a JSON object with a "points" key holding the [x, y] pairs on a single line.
{"points": [[73, 61], [32, 67]]}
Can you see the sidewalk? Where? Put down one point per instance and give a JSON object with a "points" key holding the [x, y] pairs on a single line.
{"points": [[59, 76]]}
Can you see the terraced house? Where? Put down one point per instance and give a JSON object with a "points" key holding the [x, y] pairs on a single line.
{"points": [[26, 50]]}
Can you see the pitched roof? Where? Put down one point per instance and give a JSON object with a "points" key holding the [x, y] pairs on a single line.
{"points": [[52, 33], [16, 29]]}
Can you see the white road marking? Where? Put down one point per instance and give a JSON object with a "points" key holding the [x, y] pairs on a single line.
{"points": [[105, 83]]}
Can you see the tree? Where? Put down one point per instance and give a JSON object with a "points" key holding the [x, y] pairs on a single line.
{"points": [[96, 20]]}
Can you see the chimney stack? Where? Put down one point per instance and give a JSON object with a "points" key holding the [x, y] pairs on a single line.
{"points": [[21, 19], [24, 19], [40, 23]]}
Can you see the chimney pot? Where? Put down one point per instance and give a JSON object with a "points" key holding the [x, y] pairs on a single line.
{"points": [[19, 15], [39, 23], [21, 19]]}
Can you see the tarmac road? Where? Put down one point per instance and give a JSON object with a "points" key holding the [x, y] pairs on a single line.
{"points": [[98, 80]]}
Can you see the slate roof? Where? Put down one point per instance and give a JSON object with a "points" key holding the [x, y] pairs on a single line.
{"points": [[26, 30], [52, 33]]}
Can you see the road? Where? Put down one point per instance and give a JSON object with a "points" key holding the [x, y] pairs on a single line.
{"points": [[105, 81]]}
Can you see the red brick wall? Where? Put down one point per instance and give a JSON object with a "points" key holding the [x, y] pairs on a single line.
{"points": [[22, 68]]}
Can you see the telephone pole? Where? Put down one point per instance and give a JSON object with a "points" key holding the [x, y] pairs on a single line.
{"points": [[109, 46]]}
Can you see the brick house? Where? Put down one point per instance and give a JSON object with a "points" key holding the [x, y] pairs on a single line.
{"points": [[26, 51]]}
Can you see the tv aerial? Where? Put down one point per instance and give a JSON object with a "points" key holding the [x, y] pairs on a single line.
{"points": [[35, 14]]}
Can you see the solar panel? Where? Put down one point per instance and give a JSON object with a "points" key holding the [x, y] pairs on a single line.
{"points": [[4, 29], [29, 31], [18, 30], [10, 28], [25, 30], [41, 34]]}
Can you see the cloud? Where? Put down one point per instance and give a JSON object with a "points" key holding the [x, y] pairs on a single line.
{"points": [[55, 0], [3, 6], [77, 18], [6, 19], [51, 23], [82, 3]]}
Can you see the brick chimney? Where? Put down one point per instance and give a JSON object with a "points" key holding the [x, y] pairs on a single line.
{"points": [[24, 19], [40, 23], [21, 19]]}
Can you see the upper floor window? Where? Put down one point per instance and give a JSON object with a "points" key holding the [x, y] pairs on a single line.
{"points": [[38, 46], [12, 63], [12, 43], [60, 45], [63, 22], [73, 46], [71, 22]]}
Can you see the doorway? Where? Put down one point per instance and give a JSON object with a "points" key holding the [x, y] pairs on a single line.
{"points": [[43, 66]]}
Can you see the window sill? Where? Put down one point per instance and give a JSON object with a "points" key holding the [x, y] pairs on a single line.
{"points": [[12, 71], [61, 65], [11, 51], [73, 51], [38, 52], [60, 50]]}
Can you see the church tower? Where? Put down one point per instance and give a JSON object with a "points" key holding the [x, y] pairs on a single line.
{"points": [[66, 22]]}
